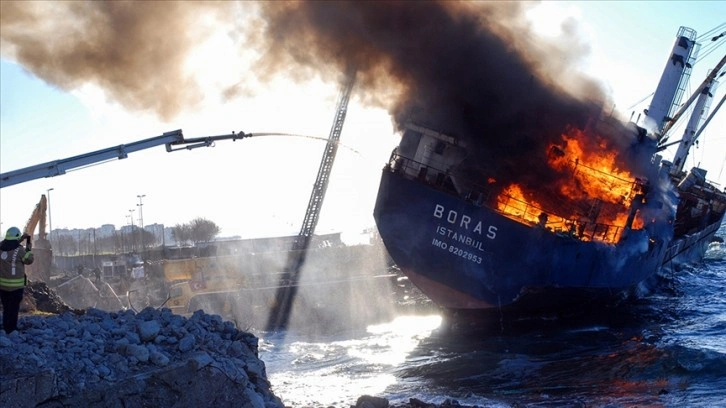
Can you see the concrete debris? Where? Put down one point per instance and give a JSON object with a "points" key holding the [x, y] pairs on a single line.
{"points": [[38, 297]]}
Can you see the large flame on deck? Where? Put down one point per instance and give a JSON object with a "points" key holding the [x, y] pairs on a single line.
{"points": [[593, 173], [590, 175]]}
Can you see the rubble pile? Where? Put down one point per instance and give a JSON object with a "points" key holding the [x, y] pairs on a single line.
{"points": [[39, 298], [154, 358]]}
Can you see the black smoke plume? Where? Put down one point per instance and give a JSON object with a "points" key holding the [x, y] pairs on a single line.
{"points": [[473, 70]]}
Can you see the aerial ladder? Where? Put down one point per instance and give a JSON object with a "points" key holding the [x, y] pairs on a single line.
{"points": [[285, 296]]}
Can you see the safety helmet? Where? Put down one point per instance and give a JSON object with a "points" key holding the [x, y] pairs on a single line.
{"points": [[13, 234]]}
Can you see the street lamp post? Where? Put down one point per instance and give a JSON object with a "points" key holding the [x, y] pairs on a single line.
{"points": [[131, 216], [50, 219], [141, 222], [94, 247], [126, 246]]}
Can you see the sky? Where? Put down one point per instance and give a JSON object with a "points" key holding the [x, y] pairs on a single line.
{"points": [[260, 186]]}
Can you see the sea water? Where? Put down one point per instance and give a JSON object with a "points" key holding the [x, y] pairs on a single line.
{"points": [[665, 349]]}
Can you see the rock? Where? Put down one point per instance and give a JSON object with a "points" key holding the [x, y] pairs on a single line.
{"points": [[367, 401], [148, 330], [186, 343]]}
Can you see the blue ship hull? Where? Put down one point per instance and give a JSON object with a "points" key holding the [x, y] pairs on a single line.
{"points": [[465, 256]]}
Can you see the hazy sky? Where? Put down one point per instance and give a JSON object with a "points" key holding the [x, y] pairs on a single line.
{"points": [[260, 186]]}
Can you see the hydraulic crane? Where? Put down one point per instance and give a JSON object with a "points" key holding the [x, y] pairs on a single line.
{"points": [[280, 313]]}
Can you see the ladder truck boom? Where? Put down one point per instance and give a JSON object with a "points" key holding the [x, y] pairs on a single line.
{"points": [[317, 196], [280, 313], [173, 140]]}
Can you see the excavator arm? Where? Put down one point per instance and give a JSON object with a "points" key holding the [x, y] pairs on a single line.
{"points": [[37, 217], [173, 140]]}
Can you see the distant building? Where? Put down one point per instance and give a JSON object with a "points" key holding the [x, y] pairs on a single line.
{"points": [[106, 231], [157, 230]]}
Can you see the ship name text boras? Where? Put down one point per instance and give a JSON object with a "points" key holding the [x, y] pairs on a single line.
{"points": [[461, 221]]}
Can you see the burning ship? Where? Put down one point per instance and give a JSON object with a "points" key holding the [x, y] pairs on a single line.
{"points": [[604, 215]]}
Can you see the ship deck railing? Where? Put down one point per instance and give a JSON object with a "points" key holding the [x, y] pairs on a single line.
{"points": [[482, 195]]}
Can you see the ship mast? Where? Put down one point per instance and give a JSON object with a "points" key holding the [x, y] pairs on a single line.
{"points": [[673, 81]]}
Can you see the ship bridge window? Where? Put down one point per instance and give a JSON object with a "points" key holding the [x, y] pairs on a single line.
{"points": [[440, 146]]}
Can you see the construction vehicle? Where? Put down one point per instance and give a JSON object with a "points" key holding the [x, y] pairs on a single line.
{"points": [[42, 252], [210, 281]]}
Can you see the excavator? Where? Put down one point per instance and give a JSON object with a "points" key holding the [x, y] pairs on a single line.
{"points": [[40, 269]]}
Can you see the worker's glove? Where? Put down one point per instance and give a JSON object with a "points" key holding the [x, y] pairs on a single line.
{"points": [[25, 236], [28, 258]]}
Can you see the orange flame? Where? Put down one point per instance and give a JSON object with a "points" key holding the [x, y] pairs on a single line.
{"points": [[512, 201], [592, 176]]}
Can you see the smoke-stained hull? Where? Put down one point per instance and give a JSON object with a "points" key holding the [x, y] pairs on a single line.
{"points": [[466, 256]]}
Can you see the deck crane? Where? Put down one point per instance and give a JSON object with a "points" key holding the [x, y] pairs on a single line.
{"points": [[280, 313]]}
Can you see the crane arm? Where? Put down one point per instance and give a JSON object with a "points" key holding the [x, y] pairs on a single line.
{"points": [[173, 140], [37, 217]]}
